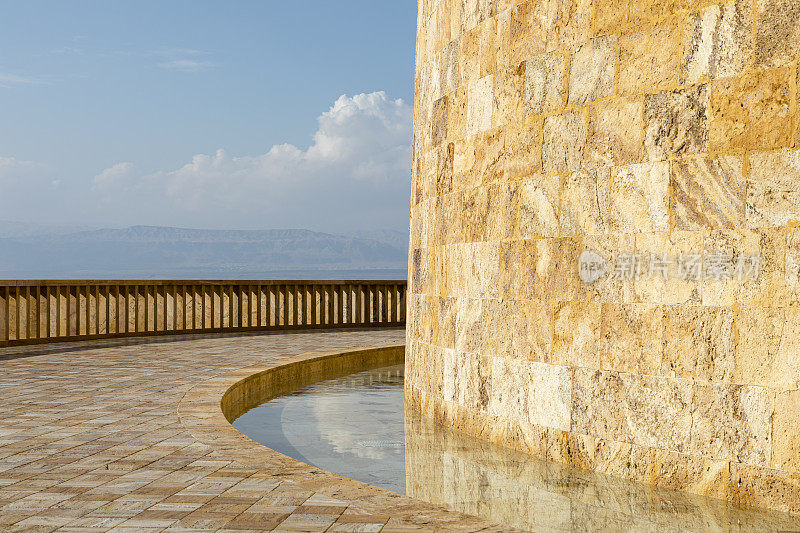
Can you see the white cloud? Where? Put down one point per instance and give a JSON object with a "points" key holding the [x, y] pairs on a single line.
{"points": [[186, 65], [112, 176], [10, 80], [355, 173]]}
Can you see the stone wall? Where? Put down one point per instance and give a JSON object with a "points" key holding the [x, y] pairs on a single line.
{"points": [[605, 236]]}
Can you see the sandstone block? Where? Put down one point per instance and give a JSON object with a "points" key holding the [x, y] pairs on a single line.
{"points": [[480, 102], [576, 334], [592, 70], [719, 41], [649, 58], [615, 133], [564, 142], [676, 123], [509, 95], [538, 207], [639, 201], [765, 122], [708, 193], [733, 422], [585, 202], [778, 33], [786, 431], [632, 338], [523, 148], [544, 83]]}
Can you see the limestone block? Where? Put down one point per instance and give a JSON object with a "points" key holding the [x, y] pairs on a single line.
{"points": [[576, 334], [778, 32], [755, 486], [765, 122], [538, 207], [457, 114], [523, 148], [766, 352], [775, 169], [786, 431], [652, 399], [489, 157], [609, 16], [508, 397], [517, 269], [598, 401], [769, 289], [727, 246], [480, 102], [792, 266], [444, 169], [648, 10], [438, 123], [708, 193], [503, 205], [556, 269], [616, 132], [718, 41], [474, 12], [661, 281], [690, 473], [564, 142], [538, 330], [469, 325], [638, 198], [569, 22], [676, 123], [699, 343], [632, 338], [463, 165], [527, 31], [510, 332], [609, 288], [574, 449], [488, 50], [649, 58], [549, 389], [592, 70], [450, 77], [509, 95], [585, 202], [544, 83], [770, 208], [733, 422]]}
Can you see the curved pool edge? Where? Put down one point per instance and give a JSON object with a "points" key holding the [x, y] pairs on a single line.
{"points": [[208, 409]]}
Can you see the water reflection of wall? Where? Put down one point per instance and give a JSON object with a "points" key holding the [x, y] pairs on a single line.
{"points": [[514, 489]]}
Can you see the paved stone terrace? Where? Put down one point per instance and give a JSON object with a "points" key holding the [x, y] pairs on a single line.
{"points": [[90, 440]]}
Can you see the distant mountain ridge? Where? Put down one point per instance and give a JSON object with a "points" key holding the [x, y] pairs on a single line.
{"points": [[163, 252]]}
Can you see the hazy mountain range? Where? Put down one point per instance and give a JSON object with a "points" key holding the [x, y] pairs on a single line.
{"points": [[147, 252]]}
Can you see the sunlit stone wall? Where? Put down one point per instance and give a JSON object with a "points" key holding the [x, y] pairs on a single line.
{"points": [[605, 253]]}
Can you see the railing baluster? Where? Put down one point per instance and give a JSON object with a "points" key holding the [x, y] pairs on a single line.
{"points": [[33, 312]]}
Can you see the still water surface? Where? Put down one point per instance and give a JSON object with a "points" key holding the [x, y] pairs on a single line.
{"points": [[356, 426]]}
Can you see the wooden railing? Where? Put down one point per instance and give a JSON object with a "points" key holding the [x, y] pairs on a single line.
{"points": [[34, 312]]}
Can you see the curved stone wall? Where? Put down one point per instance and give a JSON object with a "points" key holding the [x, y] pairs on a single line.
{"points": [[605, 253]]}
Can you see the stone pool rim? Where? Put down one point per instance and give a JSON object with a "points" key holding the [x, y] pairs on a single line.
{"points": [[208, 409]]}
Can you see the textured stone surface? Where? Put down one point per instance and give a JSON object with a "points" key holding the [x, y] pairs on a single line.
{"points": [[659, 140], [708, 193], [114, 453], [676, 123], [592, 70], [544, 83]]}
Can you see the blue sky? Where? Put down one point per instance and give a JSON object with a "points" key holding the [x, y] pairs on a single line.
{"points": [[176, 104]]}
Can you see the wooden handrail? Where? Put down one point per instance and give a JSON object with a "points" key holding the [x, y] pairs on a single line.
{"points": [[33, 312]]}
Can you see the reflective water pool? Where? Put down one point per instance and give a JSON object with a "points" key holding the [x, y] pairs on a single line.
{"points": [[355, 426]]}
